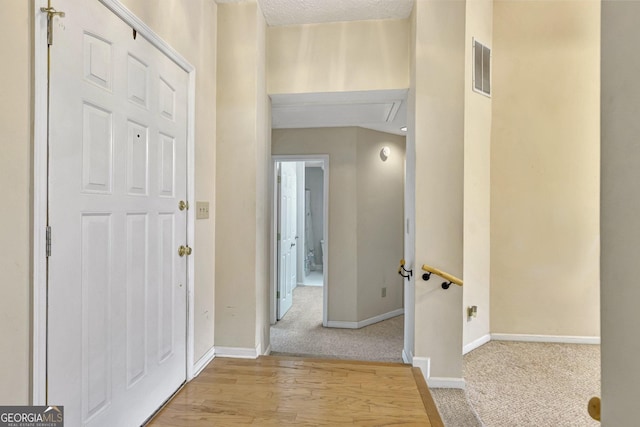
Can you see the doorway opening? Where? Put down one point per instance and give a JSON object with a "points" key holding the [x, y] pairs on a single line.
{"points": [[370, 202], [364, 293], [311, 265], [300, 230]]}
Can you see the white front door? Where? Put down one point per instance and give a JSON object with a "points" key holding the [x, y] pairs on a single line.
{"points": [[116, 346], [287, 231]]}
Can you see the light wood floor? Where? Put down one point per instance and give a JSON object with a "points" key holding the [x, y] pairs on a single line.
{"points": [[275, 391]]}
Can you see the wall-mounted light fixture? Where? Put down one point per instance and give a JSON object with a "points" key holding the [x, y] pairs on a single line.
{"points": [[384, 153]]}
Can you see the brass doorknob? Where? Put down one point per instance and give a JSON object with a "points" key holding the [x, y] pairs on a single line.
{"points": [[183, 205], [594, 408], [184, 250]]}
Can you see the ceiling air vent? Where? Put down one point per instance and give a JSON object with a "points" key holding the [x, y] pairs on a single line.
{"points": [[481, 68]]}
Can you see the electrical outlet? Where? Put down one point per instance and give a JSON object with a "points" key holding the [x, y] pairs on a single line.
{"points": [[384, 292], [202, 210], [472, 311]]}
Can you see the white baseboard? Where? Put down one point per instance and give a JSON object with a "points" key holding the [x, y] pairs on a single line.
{"points": [[407, 358], [366, 322], [424, 363], [445, 382], [203, 361], [341, 325], [381, 317], [562, 339], [267, 351], [476, 343], [237, 352]]}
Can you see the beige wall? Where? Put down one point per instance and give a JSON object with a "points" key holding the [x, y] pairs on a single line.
{"points": [[339, 144], [16, 193], [241, 216], [620, 204], [359, 201], [438, 88], [198, 46], [477, 180], [344, 56], [544, 168], [380, 212]]}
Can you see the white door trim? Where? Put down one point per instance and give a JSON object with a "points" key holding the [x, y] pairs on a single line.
{"points": [[40, 155], [324, 158]]}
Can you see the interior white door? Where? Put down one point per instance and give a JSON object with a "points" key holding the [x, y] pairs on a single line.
{"points": [[116, 347], [287, 231]]}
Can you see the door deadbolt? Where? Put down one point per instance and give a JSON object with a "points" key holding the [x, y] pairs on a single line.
{"points": [[184, 250]]}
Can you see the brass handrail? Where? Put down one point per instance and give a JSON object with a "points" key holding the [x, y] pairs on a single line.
{"points": [[446, 276]]}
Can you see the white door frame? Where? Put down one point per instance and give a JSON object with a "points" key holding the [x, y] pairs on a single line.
{"points": [[324, 158], [40, 190]]}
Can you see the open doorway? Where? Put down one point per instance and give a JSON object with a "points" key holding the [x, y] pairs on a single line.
{"points": [[364, 299], [311, 264], [364, 293], [299, 247]]}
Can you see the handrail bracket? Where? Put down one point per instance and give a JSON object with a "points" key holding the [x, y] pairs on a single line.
{"points": [[449, 279]]}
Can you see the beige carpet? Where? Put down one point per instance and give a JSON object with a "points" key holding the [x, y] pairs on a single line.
{"points": [[301, 333], [454, 408], [513, 384]]}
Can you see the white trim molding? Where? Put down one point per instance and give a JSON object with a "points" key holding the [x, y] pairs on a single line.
{"points": [[561, 339], [476, 343], [339, 324], [365, 322], [424, 363], [40, 184], [237, 352], [145, 31], [446, 382], [407, 357], [267, 351], [203, 362]]}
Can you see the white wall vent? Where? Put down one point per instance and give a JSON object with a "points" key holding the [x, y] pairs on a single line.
{"points": [[481, 68]]}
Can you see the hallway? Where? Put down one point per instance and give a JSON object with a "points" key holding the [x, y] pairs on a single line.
{"points": [[300, 332]]}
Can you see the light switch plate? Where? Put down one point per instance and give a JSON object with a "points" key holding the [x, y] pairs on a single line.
{"points": [[202, 210]]}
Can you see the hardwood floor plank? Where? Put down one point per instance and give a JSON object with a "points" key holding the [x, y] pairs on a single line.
{"points": [[427, 399], [274, 391]]}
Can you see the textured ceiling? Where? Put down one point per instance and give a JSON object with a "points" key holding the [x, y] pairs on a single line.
{"points": [[294, 12]]}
